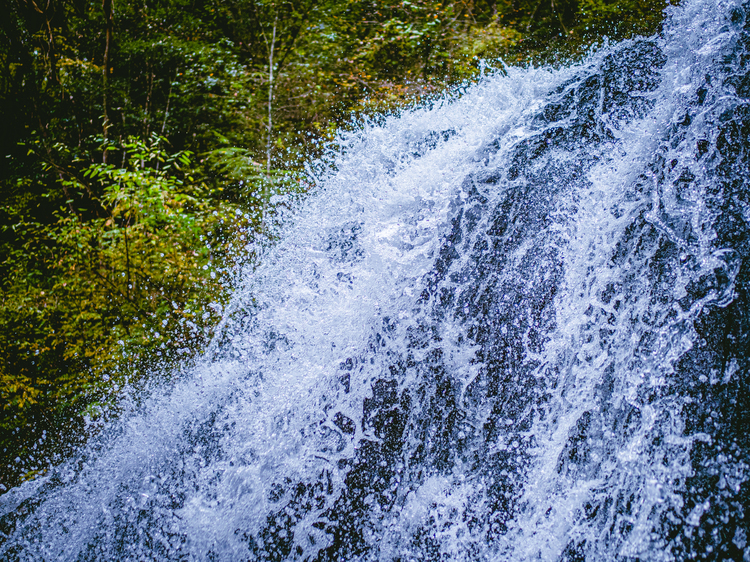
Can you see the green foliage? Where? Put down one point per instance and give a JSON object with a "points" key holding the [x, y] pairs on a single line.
{"points": [[619, 19], [99, 290]]}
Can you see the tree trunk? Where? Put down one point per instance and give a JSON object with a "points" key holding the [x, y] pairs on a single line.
{"points": [[108, 7], [270, 97]]}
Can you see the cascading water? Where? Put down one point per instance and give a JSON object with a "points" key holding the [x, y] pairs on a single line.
{"points": [[513, 326]]}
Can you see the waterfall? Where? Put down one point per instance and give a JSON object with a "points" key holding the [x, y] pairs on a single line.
{"points": [[510, 325]]}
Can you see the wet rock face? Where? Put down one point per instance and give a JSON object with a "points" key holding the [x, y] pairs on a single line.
{"points": [[497, 276], [713, 374]]}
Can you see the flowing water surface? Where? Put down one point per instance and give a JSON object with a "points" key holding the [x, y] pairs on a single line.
{"points": [[509, 326]]}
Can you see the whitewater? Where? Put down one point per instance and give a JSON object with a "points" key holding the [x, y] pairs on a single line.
{"points": [[509, 325]]}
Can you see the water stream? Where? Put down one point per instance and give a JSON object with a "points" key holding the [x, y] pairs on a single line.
{"points": [[510, 326]]}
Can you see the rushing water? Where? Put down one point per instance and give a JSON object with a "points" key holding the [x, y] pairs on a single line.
{"points": [[513, 326]]}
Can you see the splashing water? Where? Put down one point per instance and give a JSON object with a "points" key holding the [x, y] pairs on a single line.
{"points": [[512, 326]]}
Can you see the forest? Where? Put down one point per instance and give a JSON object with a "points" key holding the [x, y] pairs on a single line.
{"points": [[143, 145]]}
